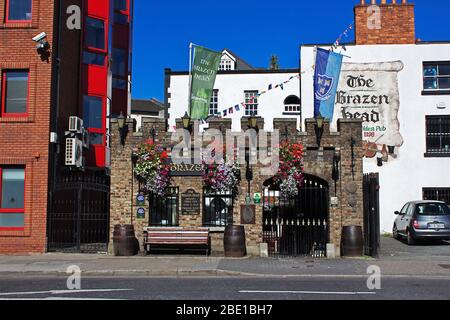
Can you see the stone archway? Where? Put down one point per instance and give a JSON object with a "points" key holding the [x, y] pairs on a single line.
{"points": [[297, 226]]}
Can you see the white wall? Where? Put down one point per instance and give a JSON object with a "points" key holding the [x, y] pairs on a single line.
{"points": [[401, 180], [231, 92]]}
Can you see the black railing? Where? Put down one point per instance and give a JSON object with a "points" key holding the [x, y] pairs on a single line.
{"points": [[371, 189], [78, 219], [298, 226]]}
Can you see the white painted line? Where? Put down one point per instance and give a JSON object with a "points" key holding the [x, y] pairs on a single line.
{"points": [[54, 292], [308, 292]]}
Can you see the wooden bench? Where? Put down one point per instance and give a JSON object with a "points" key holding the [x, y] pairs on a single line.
{"points": [[170, 237]]}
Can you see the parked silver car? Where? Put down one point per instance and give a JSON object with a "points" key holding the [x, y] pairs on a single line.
{"points": [[423, 220]]}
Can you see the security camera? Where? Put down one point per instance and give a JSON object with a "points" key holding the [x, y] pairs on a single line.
{"points": [[41, 36]]}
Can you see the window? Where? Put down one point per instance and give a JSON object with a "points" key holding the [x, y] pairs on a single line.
{"points": [[93, 112], [118, 61], [12, 200], [120, 5], [436, 76], [14, 93], [18, 10], [438, 136], [251, 103], [164, 210], [432, 209], [218, 208], [226, 65], [95, 33], [93, 58], [214, 106], [437, 194], [119, 84], [292, 105]]}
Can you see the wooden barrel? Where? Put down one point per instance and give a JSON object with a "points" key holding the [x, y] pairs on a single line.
{"points": [[352, 244], [234, 242], [125, 242]]}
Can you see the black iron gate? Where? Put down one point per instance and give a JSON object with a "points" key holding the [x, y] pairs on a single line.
{"points": [[298, 226], [371, 214], [78, 219]]}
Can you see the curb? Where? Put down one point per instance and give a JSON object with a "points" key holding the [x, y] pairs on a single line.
{"points": [[185, 273]]}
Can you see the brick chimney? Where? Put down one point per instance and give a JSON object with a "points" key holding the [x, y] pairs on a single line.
{"points": [[390, 23]]}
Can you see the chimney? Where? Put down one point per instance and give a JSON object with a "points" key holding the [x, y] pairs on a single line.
{"points": [[384, 23]]}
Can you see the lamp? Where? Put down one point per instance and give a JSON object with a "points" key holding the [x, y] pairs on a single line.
{"points": [[153, 133], [123, 128], [186, 122], [253, 122], [319, 129]]}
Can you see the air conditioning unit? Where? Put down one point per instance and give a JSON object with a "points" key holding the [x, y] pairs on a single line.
{"points": [[74, 152], [75, 125]]}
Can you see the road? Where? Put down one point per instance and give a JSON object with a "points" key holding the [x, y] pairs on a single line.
{"points": [[231, 288]]}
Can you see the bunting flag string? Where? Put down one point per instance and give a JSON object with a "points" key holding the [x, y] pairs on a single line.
{"points": [[230, 110], [241, 106]]}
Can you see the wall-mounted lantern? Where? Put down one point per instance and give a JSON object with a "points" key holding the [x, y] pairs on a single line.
{"points": [[187, 125], [123, 128], [319, 129]]}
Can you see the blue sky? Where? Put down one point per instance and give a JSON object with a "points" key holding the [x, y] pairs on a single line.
{"points": [[253, 29]]}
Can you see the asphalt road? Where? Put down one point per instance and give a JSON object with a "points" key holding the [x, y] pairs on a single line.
{"points": [[233, 289]]}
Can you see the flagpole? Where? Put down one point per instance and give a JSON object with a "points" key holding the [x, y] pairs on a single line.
{"points": [[191, 45]]}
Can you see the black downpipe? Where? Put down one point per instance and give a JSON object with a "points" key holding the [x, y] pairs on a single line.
{"points": [[54, 111]]}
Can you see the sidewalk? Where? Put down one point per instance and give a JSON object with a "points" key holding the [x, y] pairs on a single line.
{"points": [[102, 265]]}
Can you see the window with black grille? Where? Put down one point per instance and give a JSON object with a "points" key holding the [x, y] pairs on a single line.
{"points": [[165, 210], [438, 194], [218, 208], [438, 136]]}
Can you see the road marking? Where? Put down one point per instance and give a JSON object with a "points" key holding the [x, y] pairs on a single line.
{"points": [[308, 292], [55, 292]]}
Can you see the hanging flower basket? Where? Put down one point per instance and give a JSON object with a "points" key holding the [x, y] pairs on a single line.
{"points": [[220, 177], [152, 168], [290, 176]]}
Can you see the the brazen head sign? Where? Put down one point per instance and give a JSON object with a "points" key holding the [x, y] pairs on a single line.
{"points": [[204, 70], [369, 91]]}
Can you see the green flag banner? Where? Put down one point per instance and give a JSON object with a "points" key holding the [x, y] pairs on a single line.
{"points": [[204, 71]]}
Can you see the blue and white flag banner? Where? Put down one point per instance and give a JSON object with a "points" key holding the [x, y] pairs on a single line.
{"points": [[326, 80]]}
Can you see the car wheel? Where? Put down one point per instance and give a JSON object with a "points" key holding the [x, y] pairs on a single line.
{"points": [[395, 233], [410, 238]]}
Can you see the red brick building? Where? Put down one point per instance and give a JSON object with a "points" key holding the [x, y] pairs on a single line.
{"points": [[77, 72]]}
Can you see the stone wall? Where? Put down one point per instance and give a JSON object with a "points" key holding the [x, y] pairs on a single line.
{"points": [[318, 162]]}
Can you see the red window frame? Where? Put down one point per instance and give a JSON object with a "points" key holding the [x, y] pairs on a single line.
{"points": [[101, 131], [3, 112], [106, 28], [7, 20], [13, 211]]}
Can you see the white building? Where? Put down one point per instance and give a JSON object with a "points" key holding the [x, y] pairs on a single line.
{"points": [[238, 82], [152, 108], [403, 93]]}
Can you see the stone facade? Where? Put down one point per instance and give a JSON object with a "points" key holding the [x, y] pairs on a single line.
{"points": [[317, 161]]}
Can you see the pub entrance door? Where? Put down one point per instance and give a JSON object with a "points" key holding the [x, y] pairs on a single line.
{"points": [[298, 226]]}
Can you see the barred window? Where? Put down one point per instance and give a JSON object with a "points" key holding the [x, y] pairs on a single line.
{"points": [[214, 106], [438, 136], [165, 210], [437, 194], [218, 208], [251, 103]]}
